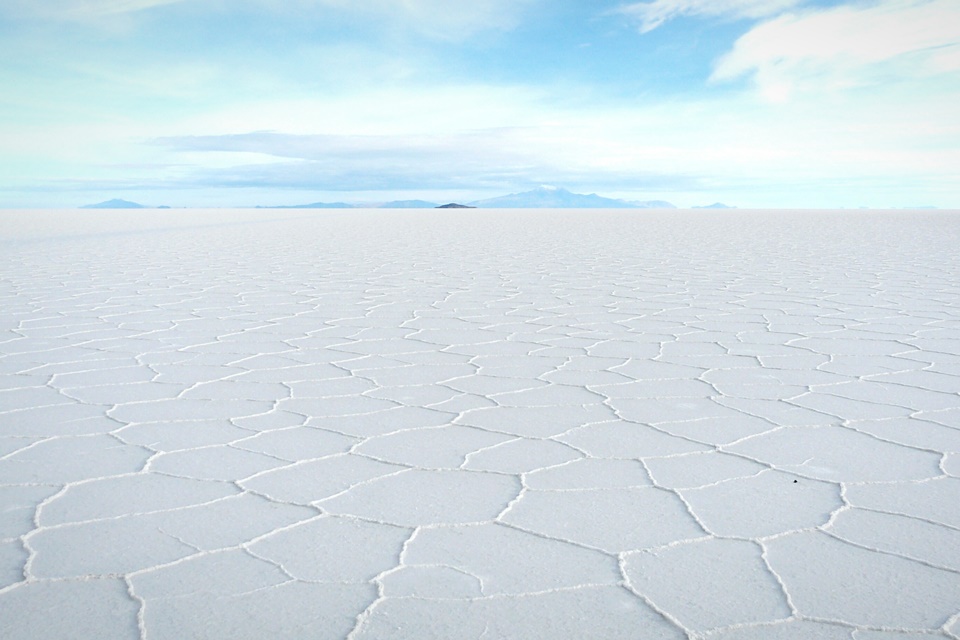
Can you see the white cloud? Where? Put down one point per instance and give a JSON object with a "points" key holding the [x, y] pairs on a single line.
{"points": [[889, 41], [653, 13]]}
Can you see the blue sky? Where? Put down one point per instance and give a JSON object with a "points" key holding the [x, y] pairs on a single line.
{"points": [[757, 103]]}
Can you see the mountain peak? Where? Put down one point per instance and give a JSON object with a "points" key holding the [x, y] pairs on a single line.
{"points": [[715, 205], [116, 203]]}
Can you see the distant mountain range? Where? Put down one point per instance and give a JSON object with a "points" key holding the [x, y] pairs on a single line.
{"points": [[557, 198], [539, 198]]}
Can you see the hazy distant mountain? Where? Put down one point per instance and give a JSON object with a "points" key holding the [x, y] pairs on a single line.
{"points": [[395, 204], [652, 204], [557, 198], [455, 205], [116, 203], [408, 204], [716, 205], [540, 198], [312, 205]]}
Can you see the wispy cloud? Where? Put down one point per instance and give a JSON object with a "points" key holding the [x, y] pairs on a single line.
{"points": [[653, 13], [82, 9], [438, 19], [848, 46]]}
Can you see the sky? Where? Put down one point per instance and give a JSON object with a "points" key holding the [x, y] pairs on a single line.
{"points": [[227, 103]]}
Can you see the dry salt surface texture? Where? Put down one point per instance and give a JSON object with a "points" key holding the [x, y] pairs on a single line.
{"points": [[480, 424]]}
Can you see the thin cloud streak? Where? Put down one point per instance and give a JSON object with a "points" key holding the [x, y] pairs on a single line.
{"points": [[81, 9], [437, 19], [654, 13]]}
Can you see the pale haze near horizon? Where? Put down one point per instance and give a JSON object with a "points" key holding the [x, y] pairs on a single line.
{"points": [[208, 103]]}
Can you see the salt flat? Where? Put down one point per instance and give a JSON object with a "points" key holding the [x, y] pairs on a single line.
{"points": [[464, 424]]}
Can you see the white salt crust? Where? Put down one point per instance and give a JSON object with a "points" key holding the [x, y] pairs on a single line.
{"points": [[461, 424]]}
